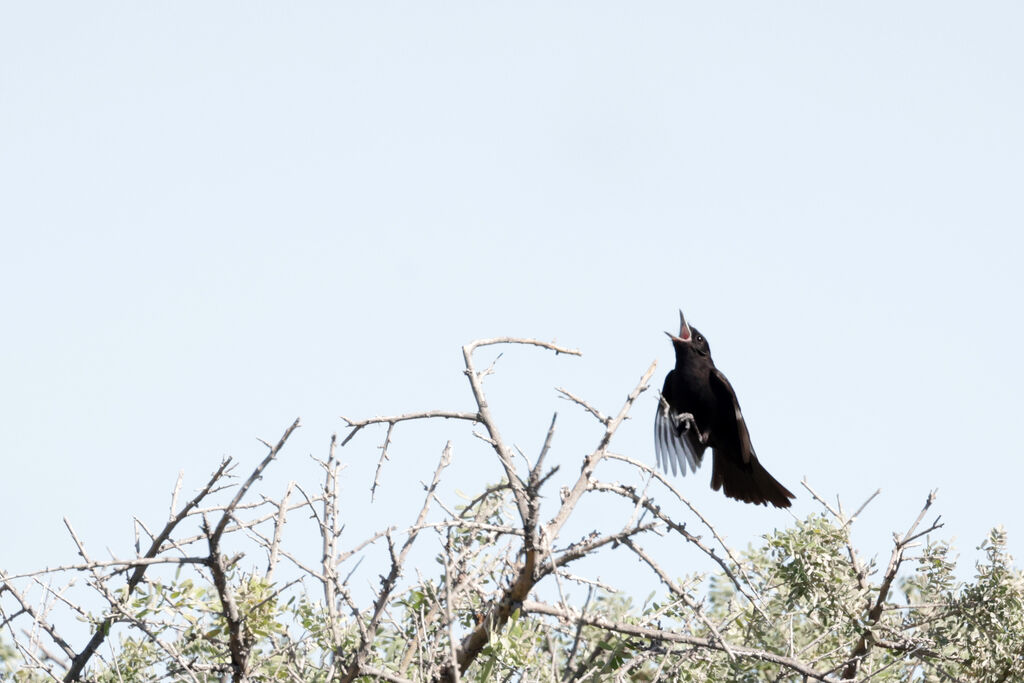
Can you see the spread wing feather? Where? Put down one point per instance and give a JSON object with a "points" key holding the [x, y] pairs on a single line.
{"points": [[675, 440]]}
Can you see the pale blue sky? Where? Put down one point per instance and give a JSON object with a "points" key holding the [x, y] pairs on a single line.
{"points": [[218, 216]]}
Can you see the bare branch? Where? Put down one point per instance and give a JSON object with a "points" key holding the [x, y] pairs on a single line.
{"points": [[601, 417], [591, 543], [240, 640], [121, 565], [551, 346], [591, 462], [244, 488], [533, 489], [330, 530], [80, 660], [660, 635], [901, 544], [679, 593], [578, 637], [392, 420], [453, 657], [275, 547], [383, 675], [357, 661], [494, 435], [36, 616], [380, 461], [858, 568], [704, 520], [743, 587]]}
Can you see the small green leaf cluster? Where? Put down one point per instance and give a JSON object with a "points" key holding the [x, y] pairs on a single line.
{"points": [[797, 594]]}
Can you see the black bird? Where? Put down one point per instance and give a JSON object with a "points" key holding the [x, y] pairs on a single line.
{"points": [[699, 410]]}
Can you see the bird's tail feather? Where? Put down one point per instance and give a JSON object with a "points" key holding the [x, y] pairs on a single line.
{"points": [[749, 482]]}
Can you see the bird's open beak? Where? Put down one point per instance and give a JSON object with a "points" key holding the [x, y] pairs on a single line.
{"points": [[684, 331]]}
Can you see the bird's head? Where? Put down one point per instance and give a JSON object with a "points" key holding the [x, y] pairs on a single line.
{"points": [[689, 340]]}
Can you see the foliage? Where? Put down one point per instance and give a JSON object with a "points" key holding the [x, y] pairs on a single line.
{"points": [[798, 605], [812, 608]]}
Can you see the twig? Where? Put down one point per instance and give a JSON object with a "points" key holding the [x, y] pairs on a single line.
{"points": [[901, 544], [749, 594], [380, 461], [660, 635], [578, 637], [680, 593], [858, 569], [240, 639], [392, 420], [485, 417], [357, 661], [36, 616], [244, 488], [743, 588], [569, 396], [453, 657], [275, 546], [590, 463], [533, 490], [79, 661]]}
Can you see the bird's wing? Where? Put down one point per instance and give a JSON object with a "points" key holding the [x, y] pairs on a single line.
{"points": [[676, 439], [721, 387]]}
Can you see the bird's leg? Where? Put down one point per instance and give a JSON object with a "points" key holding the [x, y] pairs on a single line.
{"points": [[688, 422], [685, 422], [702, 436]]}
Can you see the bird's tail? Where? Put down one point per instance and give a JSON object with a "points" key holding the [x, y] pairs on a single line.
{"points": [[749, 482]]}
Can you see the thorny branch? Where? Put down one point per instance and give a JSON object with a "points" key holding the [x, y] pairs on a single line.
{"points": [[590, 463], [78, 663], [389, 582], [526, 575], [665, 636], [487, 419], [901, 543]]}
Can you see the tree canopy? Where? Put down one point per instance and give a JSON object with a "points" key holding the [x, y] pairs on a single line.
{"points": [[216, 593]]}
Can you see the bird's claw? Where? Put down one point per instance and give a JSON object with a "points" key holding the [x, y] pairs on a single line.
{"points": [[688, 422]]}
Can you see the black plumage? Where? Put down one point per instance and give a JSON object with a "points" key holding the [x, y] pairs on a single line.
{"points": [[699, 410]]}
